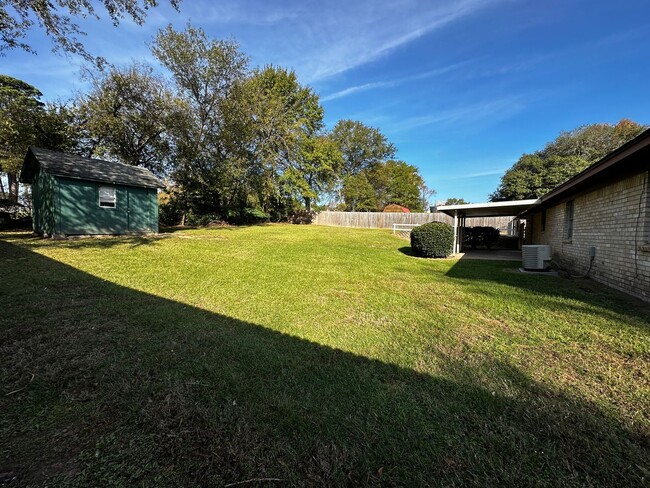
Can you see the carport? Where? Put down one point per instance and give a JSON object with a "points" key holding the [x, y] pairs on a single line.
{"points": [[460, 213]]}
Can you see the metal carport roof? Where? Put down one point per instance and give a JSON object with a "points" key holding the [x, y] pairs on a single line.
{"points": [[487, 209]]}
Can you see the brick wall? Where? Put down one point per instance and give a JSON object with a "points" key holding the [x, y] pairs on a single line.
{"points": [[615, 219]]}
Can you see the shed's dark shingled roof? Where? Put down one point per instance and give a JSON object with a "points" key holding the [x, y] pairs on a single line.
{"points": [[78, 167]]}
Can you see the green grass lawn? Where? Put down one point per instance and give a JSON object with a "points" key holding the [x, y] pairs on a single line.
{"points": [[311, 356]]}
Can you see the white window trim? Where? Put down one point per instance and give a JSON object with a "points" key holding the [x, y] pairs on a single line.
{"points": [[99, 197]]}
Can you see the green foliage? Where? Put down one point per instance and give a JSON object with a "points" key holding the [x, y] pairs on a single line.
{"points": [[384, 183], [247, 216], [131, 114], [276, 129], [359, 194], [535, 174], [361, 146], [433, 240], [480, 236], [18, 18], [20, 110], [456, 201], [25, 121], [593, 142], [169, 213], [226, 138], [194, 220]]}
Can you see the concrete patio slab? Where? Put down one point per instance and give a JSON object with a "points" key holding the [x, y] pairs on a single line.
{"points": [[491, 254]]}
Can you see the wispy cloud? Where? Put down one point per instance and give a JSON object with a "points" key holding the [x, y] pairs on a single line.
{"points": [[496, 110], [480, 174], [377, 31], [395, 82], [356, 89], [243, 13], [323, 38]]}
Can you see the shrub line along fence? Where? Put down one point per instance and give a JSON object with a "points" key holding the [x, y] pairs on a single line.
{"points": [[385, 220]]}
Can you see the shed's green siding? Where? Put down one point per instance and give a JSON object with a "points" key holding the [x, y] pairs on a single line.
{"points": [[44, 203], [70, 206]]}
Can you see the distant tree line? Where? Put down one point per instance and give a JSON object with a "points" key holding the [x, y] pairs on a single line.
{"points": [[535, 174], [228, 139]]}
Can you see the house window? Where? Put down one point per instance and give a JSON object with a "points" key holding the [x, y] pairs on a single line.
{"points": [[568, 219], [544, 220], [107, 197]]}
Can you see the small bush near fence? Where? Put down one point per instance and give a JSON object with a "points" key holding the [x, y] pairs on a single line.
{"points": [[302, 217], [480, 236], [247, 216], [433, 240]]}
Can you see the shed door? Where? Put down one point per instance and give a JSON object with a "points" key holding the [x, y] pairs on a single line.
{"points": [[139, 210]]}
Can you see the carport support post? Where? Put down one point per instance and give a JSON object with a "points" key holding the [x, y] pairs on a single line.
{"points": [[455, 231]]}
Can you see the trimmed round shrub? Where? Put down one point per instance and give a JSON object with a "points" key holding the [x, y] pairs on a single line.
{"points": [[433, 240]]}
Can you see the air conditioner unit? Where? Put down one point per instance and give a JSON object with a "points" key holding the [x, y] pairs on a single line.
{"points": [[536, 258]]}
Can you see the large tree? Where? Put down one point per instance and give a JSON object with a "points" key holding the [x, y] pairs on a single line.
{"points": [[205, 72], [24, 121], [384, 183], [20, 111], [315, 169], [19, 17], [130, 112], [278, 127], [362, 146], [535, 174]]}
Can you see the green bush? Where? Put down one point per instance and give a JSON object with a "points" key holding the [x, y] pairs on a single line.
{"points": [[169, 214], [247, 216], [433, 240], [195, 220], [302, 216]]}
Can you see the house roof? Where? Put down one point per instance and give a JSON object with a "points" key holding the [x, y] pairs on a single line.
{"points": [[78, 167], [488, 209], [393, 207]]}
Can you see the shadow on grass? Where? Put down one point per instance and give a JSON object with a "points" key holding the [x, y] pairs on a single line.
{"points": [[550, 289], [408, 250], [105, 385]]}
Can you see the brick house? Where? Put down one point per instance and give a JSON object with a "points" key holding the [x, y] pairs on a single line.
{"points": [[606, 209]]}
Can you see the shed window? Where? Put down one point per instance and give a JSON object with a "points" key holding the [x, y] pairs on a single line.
{"points": [[107, 197], [568, 220]]}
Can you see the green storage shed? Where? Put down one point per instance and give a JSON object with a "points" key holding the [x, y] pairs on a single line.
{"points": [[73, 195]]}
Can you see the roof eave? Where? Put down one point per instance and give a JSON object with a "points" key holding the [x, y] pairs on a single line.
{"points": [[105, 181]]}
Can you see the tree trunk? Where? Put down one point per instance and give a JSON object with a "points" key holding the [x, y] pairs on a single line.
{"points": [[308, 203], [12, 178]]}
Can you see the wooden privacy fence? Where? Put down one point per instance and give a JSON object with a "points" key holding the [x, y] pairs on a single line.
{"points": [[385, 220]]}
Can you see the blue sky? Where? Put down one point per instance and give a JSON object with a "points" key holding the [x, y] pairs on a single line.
{"points": [[462, 88]]}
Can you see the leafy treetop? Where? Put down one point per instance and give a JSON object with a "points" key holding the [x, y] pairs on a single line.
{"points": [[456, 201], [535, 174], [18, 17]]}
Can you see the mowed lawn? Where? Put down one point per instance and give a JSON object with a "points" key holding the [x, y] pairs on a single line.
{"points": [[300, 355]]}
